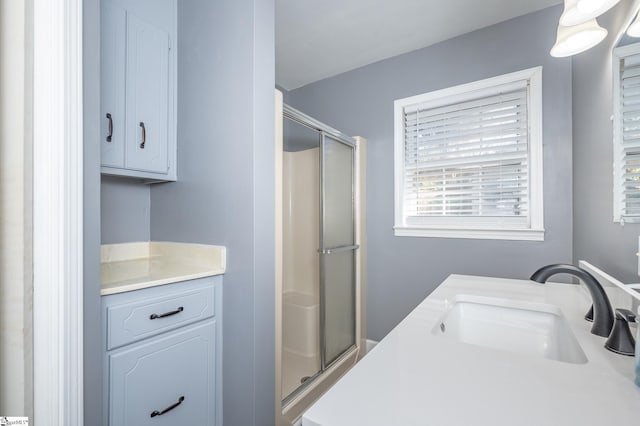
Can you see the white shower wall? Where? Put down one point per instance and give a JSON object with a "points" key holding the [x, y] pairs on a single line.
{"points": [[301, 275], [301, 222]]}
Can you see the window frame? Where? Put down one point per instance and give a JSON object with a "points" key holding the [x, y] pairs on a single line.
{"points": [[461, 227], [620, 53]]}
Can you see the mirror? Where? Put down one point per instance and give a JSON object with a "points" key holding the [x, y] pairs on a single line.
{"points": [[630, 29], [626, 125]]}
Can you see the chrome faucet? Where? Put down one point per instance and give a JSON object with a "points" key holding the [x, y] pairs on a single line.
{"points": [[602, 310]]}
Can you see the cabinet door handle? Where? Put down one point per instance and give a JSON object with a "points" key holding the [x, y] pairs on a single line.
{"points": [[166, 314], [169, 408], [110, 135], [144, 135]]}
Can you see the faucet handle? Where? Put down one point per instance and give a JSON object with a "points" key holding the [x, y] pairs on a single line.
{"points": [[621, 340], [626, 314]]}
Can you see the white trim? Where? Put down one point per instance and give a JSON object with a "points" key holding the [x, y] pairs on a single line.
{"points": [[57, 213], [474, 234], [463, 92], [279, 253], [460, 93], [536, 168], [361, 240], [628, 219]]}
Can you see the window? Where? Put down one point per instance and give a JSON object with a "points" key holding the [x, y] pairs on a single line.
{"points": [[626, 134], [468, 160]]}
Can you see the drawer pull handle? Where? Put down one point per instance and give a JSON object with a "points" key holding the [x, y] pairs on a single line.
{"points": [[110, 135], [166, 314], [169, 408], [144, 135]]}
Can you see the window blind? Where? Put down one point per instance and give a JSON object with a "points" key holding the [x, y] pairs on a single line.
{"points": [[630, 135], [469, 158]]}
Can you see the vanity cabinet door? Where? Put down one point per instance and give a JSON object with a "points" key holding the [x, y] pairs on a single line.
{"points": [[168, 380], [112, 84], [138, 89], [147, 96]]}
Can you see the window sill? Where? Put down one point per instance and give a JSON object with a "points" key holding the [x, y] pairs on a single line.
{"points": [[477, 234], [625, 220]]}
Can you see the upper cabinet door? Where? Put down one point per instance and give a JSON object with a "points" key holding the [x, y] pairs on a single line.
{"points": [[112, 84], [147, 96]]}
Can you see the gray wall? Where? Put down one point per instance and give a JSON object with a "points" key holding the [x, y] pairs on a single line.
{"points": [[596, 238], [91, 214], [225, 191], [403, 270], [125, 206]]}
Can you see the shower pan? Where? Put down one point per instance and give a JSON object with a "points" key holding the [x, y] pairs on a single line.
{"points": [[320, 258]]}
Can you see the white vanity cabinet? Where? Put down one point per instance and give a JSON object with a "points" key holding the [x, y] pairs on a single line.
{"points": [[138, 82], [163, 354]]}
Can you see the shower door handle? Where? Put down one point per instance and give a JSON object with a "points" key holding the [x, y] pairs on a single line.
{"points": [[338, 249]]}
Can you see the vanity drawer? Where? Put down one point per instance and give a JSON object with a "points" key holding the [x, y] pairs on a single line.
{"points": [[157, 311], [170, 377]]}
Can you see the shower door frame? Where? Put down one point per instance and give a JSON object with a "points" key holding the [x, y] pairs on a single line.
{"points": [[323, 131]]}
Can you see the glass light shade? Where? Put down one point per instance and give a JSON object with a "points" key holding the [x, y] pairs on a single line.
{"points": [[595, 7], [580, 11], [577, 38], [634, 28]]}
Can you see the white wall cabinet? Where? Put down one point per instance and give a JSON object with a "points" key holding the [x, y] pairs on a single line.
{"points": [[163, 355], [138, 81]]}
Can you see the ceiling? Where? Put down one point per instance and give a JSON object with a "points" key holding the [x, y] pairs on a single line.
{"points": [[319, 39]]}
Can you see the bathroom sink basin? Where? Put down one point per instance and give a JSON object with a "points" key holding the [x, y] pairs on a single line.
{"points": [[521, 327]]}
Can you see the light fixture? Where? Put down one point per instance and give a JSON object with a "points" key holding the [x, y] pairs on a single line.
{"points": [[580, 11], [634, 28], [575, 39]]}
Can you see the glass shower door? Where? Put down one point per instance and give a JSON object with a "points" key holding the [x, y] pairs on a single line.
{"points": [[337, 248]]}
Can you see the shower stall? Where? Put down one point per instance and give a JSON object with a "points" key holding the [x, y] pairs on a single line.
{"points": [[320, 258]]}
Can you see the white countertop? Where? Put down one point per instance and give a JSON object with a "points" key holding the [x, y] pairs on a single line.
{"points": [[134, 266], [413, 377]]}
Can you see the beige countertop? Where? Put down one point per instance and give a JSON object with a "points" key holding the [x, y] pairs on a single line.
{"points": [[134, 266]]}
